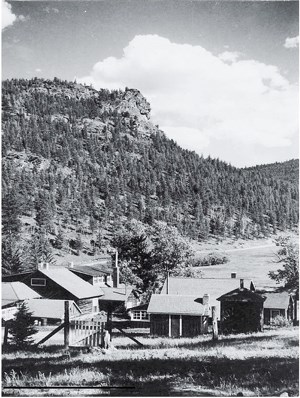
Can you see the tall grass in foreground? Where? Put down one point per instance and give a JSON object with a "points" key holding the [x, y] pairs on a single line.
{"points": [[257, 364]]}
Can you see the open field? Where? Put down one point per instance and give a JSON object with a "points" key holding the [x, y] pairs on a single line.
{"points": [[260, 364], [252, 259]]}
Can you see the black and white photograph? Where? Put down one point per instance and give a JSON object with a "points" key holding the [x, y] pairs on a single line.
{"points": [[150, 198]]}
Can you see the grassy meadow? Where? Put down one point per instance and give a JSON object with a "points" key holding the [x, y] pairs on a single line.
{"points": [[260, 364]]}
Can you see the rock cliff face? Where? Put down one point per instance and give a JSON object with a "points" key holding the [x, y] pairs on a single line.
{"points": [[135, 103]]}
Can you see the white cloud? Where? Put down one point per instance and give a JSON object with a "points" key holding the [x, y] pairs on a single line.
{"points": [[8, 18], [228, 56], [38, 70], [199, 99], [291, 42]]}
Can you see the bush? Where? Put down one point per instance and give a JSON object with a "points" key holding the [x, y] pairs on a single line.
{"points": [[211, 259], [280, 321]]}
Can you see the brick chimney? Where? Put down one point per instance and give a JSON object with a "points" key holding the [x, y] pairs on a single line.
{"points": [[233, 275], [116, 273], [241, 283]]}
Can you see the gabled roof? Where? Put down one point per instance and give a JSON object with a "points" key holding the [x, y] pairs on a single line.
{"points": [[54, 309], [116, 294], [242, 295], [141, 307], [91, 270], [277, 300], [16, 291], [215, 287], [175, 304], [72, 283]]}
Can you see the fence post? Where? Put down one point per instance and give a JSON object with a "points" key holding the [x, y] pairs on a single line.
{"points": [[102, 334], [214, 323], [67, 325], [5, 334]]}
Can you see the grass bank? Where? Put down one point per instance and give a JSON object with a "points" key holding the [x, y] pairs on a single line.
{"points": [[260, 364]]}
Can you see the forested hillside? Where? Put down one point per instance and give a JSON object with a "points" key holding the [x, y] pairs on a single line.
{"points": [[78, 162], [287, 171]]}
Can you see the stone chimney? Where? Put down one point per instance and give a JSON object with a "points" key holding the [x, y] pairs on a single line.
{"points": [[233, 275], [241, 283], [116, 273]]}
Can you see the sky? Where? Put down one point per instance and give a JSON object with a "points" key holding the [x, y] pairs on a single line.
{"points": [[221, 76]]}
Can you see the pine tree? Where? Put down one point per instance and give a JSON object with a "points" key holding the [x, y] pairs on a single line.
{"points": [[22, 327]]}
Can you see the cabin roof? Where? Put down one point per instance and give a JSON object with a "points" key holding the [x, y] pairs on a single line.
{"points": [[215, 287], [176, 304], [16, 291], [45, 308], [242, 295], [72, 283], [141, 307], [277, 300], [116, 294], [91, 270]]}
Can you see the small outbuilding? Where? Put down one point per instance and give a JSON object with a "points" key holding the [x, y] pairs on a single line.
{"points": [[176, 316], [241, 311], [277, 304]]}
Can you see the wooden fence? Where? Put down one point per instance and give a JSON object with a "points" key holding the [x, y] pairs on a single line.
{"points": [[86, 333]]}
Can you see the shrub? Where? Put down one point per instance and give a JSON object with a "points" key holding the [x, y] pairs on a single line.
{"points": [[280, 321], [210, 259]]}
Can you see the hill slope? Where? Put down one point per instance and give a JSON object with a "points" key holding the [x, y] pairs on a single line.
{"points": [[78, 162]]}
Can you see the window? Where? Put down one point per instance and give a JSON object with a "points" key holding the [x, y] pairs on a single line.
{"points": [[38, 282], [275, 313], [139, 315]]}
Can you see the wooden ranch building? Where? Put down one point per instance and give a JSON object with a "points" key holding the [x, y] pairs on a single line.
{"points": [[241, 311], [197, 287], [176, 316], [61, 284]]}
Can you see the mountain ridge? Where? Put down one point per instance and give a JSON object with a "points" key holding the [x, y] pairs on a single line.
{"points": [[84, 161]]}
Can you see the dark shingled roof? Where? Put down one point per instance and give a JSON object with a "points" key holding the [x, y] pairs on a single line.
{"points": [[91, 270], [242, 295]]}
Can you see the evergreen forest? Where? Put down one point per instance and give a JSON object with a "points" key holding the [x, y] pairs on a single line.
{"points": [[78, 163]]}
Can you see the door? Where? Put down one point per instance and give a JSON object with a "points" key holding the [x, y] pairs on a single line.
{"points": [[175, 329]]}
